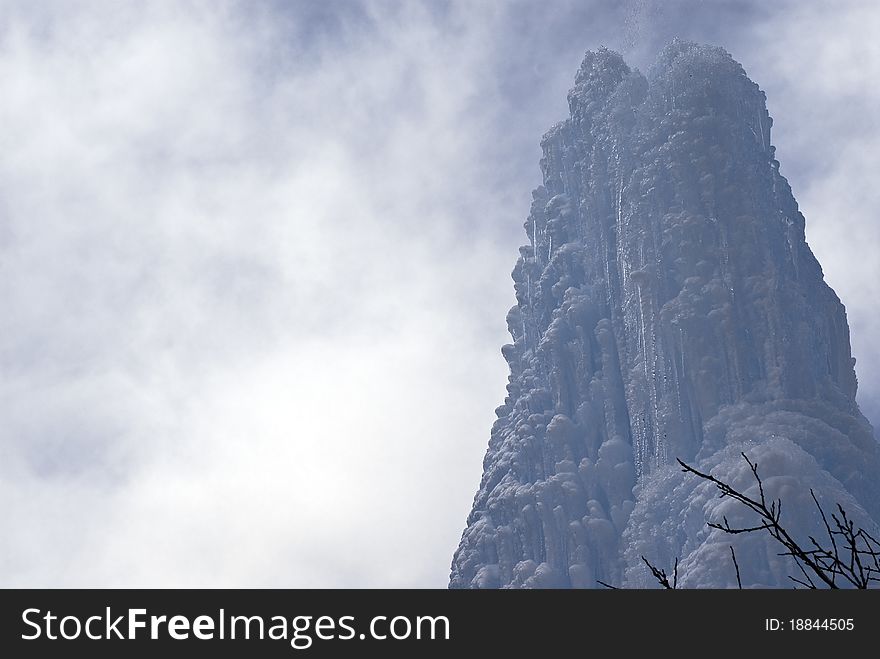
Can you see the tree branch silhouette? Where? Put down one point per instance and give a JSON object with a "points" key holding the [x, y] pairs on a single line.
{"points": [[851, 555]]}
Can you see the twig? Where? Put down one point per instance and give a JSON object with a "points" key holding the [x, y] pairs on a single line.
{"points": [[739, 582], [770, 514], [660, 575], [853, 555]]}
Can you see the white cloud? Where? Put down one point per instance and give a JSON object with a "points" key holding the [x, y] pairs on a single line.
{"points": [[252, 337], [818, 64]]}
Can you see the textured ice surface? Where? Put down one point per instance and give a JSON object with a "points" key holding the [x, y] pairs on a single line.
{"points": [[668, 306]]}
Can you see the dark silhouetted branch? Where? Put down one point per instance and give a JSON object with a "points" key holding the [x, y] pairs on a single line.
{"points": [[739, 582], [660, 575], [852, 554]]}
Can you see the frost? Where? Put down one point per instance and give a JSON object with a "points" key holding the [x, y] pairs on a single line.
{"points": [[679, 314]]}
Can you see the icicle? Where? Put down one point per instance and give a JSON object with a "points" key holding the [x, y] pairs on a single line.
{"points": [[535, 239], [761, 128], [550, 249], [725, 251], [621, 261], [792, 248], [619, 203], [678, 378], [659, 444], [608, 300], [681, 338], [642, 341]]}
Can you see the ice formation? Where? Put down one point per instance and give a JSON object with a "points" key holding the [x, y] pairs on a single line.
{"points": [[668, 306]]}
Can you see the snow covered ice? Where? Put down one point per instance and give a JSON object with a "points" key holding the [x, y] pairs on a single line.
{"points": [[668, 306]]}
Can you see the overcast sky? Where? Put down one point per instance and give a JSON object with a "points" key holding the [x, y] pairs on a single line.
{"points": [[255, 257]]}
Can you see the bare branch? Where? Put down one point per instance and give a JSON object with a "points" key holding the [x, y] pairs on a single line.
{"points": [[739, 582], [853, 554], [770, 521], [808, 585], [660, 575]]}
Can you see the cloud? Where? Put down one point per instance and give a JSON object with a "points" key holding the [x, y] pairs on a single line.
{"points": [[828, 138], [250, 332], [255, 270]]}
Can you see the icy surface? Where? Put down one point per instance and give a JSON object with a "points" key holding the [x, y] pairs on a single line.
{"points": [[668, 307]]}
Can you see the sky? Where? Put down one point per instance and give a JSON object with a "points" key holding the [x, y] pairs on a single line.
{"points": [[255, 262]]}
